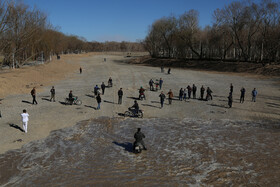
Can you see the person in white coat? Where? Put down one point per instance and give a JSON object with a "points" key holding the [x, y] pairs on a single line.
{"points": [[25, 120]]}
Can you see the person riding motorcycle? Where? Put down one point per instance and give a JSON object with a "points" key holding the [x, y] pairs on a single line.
{"points": [[70, 97], [141, 92], [139, 139], [134, 108]]}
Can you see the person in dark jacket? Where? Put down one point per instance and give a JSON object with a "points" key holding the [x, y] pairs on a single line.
{"points": [[209, 94], [194, 91], [98, 99], [202, 90], [139, 139], [52, 94], [162, 97], [242, 96], [181, 94], [135, 107], [71, 97], [103, 88], [33, 93], [230, 100], [189, 91], [160, 83], [120, 94], [231, 88]]}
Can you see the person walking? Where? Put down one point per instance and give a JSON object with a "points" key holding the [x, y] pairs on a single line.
{"points": [[170, 96], [230, 100], [52, 94], [81, 70], [120, 94], [202, 90], [254, 95], [33, 93], [194, 91], [242, 96], [189, 91], [162, 97], [103, 88], [25, 119], [98, 99], [160, 83], [181, 93]]}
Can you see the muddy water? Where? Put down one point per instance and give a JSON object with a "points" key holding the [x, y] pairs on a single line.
{"points": [[180, 153]]}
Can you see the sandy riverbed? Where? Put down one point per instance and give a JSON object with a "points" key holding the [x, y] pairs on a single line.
{"points": [[48, 116]]}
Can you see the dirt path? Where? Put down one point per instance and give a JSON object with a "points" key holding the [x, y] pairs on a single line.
{"points": [[48, 116]]}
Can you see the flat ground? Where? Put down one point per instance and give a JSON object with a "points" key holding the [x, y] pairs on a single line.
{"points": [[48, 116]]}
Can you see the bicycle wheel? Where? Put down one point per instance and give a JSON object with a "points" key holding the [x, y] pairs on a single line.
{"points": [[127, 114], [67, 102], [78, 102], [140, 115]]}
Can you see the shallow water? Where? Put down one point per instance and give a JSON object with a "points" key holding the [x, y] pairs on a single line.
{"points": [[180, 152]]}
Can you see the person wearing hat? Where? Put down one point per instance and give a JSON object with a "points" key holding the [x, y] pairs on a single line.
{"points": [[139, 138]]}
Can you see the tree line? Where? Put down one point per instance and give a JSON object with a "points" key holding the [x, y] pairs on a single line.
{"points": [[26, 35], [241, 31]]}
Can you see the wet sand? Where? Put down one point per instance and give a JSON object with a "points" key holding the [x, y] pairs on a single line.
{"points": [[48, 116]]}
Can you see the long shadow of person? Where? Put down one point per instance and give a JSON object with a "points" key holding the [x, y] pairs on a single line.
{"points": [[126, 145], [16, 127], [26, 102]]}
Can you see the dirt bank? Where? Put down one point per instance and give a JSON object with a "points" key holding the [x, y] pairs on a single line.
{"points": [[219, 66]]}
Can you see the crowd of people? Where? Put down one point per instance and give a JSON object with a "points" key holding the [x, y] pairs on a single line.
{"points": [[184, 94]]}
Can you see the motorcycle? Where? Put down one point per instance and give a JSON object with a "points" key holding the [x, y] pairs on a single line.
{"points": [[76, 101], [133, 113], [142, 96], [138, 147]]}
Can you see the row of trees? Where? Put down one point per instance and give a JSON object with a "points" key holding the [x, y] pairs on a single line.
{"points": [[26, 35], [243, 31]]}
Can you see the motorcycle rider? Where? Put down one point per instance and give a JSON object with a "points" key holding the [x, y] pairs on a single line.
{"points": [[135, 107], [71, 97], [141, 92], [139, 139]]}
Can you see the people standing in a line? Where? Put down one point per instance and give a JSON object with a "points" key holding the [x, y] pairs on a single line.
{"points": [[185, 95], [189, 91], [231, 88], [242, 96], [151, 84], [209, 94], [120, 94], [230, 100], [254, 95], [33, 93], [194, 91], [162, 97], [98, 99], [81, 70], [25, 119], [202, 89], [181, 93], [160, 83], [169, 70], [170, 96], [103, 88], [52, 94]]}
